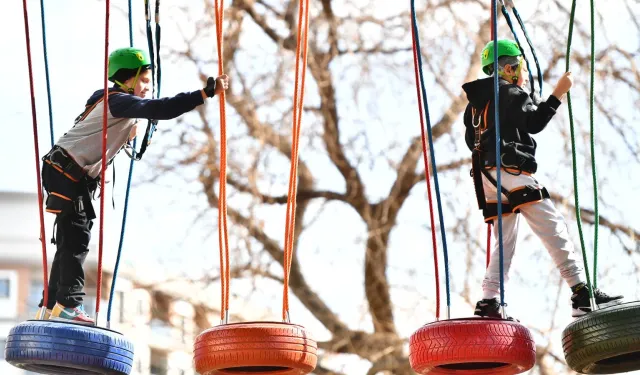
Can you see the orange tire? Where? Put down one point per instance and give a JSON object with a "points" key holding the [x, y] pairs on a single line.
{"points": [[255, 348], [474, 346]]}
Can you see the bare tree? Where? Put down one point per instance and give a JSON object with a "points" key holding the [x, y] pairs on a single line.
{"points": [[357, 123]]}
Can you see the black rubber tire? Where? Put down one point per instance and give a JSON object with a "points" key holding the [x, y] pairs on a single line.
{"points": [[50, 347], [605, 341]]}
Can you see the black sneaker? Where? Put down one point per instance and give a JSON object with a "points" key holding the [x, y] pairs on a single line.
{"points": [[488, 308], [582, 305]]}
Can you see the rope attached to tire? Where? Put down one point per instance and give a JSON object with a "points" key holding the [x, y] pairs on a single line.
{"points": [[126, 201], [277, 348], [37, 156], [418, 61], [425, 158]]}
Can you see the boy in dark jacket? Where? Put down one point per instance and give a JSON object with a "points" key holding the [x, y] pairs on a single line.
{"points": [[520, 117], [71, 170]]}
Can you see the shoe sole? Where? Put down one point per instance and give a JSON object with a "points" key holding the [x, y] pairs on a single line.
{"points": [[63, 320], [576, 313]]}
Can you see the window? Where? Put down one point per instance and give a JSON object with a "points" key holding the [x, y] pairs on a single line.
{"points": [[35, 294], [122, 305], [183, 329], [5, 288], [140, 307]]}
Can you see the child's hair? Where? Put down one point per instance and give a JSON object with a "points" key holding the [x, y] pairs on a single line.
{"points": [[124, 74], [514, 61]]}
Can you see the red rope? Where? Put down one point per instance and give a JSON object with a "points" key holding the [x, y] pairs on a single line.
{"points": [[488, 243], [223, 234], [298, 99], [45, 271], [104, 155], [427, 176]]}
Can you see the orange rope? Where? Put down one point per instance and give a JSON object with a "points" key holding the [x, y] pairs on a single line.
{"points": [[303, 11], [223, 234]]}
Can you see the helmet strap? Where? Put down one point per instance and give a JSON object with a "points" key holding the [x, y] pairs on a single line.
{"points": [[128, 89]]}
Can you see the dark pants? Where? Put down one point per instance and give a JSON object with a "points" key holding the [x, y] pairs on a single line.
{"points": [[72, 235]]}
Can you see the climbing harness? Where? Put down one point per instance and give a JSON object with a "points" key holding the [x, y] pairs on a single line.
{"points": [[474, 345], [275, 347], [604, 341], [87, 350], [516, 197]]}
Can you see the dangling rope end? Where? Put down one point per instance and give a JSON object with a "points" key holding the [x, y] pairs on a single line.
{"points": [[108, 324], [226, 318], [448, 312], [503, 311], [594, 305], [287, 317]]}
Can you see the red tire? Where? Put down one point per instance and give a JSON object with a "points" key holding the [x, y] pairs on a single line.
{"points": [[255, 348], [474, 346]]}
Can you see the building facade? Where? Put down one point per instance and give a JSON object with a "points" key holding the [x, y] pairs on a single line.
{"points": [[161, 324]]}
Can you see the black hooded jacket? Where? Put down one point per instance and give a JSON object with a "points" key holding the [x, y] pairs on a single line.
{"points": [[519, 117]]}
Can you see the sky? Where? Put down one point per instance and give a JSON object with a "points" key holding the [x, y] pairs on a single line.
{"points": [[160, 225]]}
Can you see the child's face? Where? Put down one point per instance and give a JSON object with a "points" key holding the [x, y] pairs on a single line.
{"points": [[520, 71], [143, 85]]}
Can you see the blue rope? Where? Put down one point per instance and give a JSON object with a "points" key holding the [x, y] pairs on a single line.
{"points": [[126, 204], [496, 98], [433, 156], [515, 36], [130, 26], [158, 44], [533, 50], [46, 70]]}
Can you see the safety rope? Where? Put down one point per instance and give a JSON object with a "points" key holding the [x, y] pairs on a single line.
{"points": [[298, 99], [45, 273], [496, 106], [159, 80], [505, 13], [433, 156], [533, 51], [104, 156], [151, 124], [223, 234], [427, 176], [126, 203], [46, 70], [573, 148], [515, 36]]}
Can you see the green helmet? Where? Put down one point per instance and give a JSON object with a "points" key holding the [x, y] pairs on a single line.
{"points": [[506, 47], [127, 58]]}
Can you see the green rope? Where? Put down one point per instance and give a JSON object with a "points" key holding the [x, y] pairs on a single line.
{"points": [[573, 144], [593, 149]]}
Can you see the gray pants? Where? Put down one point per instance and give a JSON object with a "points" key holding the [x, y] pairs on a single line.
{"points": [[545, 222]]}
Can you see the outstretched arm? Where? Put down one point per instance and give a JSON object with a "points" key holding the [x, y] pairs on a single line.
{"points": [[130, 106]]}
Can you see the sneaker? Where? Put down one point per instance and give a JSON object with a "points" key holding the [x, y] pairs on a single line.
{"points": [[488, 308], [582, 305], [47, 314], [71, 314]]}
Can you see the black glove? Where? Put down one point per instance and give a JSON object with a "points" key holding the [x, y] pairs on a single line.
{"points": [[210, 89]]}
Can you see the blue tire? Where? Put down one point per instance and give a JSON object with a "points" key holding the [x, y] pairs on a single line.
{"points": [[58, 348]]}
